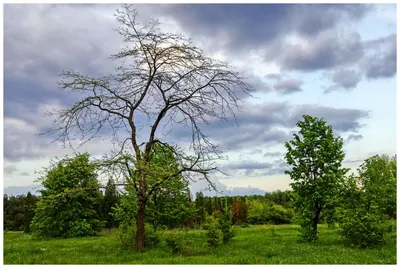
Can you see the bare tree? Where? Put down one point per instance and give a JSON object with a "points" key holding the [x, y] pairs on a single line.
{"points": [[165, 79]]}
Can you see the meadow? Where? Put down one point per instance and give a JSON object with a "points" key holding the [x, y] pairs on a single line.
{"points": [[259, 244]]}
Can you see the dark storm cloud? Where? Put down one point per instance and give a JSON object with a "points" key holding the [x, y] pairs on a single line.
{"points": [[288, 86], [265, 27], [344, 79], [382, 60], [241, 26], [324, 51]]}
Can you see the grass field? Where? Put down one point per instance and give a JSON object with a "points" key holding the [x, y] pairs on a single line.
{"points": [[264, 244]]}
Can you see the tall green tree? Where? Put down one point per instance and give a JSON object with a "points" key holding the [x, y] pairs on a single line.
{"points": [[315, 157], [70, 202], [369, 200]]}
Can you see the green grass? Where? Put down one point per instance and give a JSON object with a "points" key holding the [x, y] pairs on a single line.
{"points": [[264, 244]]}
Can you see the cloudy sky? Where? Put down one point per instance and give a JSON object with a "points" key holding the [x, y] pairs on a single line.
{"points": [[332, 61]]}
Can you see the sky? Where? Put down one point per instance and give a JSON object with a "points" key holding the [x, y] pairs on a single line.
{"points": [[335, 61]]}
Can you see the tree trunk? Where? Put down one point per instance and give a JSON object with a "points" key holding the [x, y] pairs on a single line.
{"points": [[316, 219], [140, 232]]}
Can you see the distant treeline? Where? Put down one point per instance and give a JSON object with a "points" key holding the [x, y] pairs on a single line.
{"points": [[273, 208]]}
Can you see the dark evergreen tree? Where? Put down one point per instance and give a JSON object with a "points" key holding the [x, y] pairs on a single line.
{"points": [[110, 200], [29, 210], [200, 208]]}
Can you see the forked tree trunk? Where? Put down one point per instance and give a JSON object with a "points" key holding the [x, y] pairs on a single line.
{"points": [[140, 231]]}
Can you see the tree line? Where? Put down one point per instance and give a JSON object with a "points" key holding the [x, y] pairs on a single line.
{"points": [[112, 206]]}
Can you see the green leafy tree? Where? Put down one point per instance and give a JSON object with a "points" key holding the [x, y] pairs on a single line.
{"points": [[168, 205], [369, 200], [315, 156], [69, 204]]}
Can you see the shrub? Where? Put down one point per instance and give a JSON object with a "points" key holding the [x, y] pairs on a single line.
{"points": [[126, 235], [152, 237], [365, 229], [177, 242], [214, 233], [277, 214], [268, 212]]}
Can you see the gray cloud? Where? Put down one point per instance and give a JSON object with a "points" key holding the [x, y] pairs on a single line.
{"points": [[271, 122], [342, 120], [10, 169], [57, 37], [264, 27], [274, 76], [288, 86], [249, 165], [223, 190], [279, 168], [255, 24], [354, 138], [255, 151], [272, 154], [344, 78], [253, 168], [24, 174], [382, 61], [324, 51]]}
